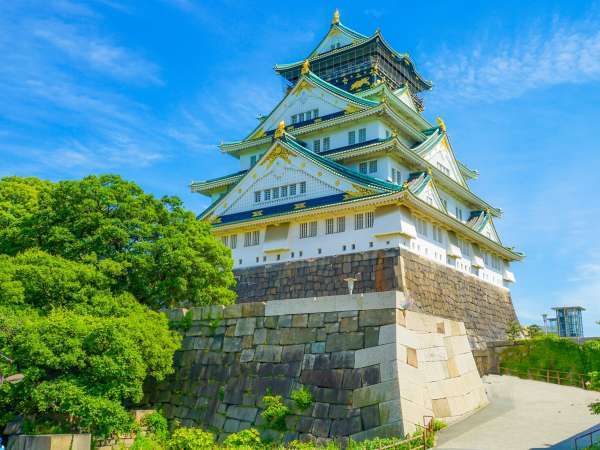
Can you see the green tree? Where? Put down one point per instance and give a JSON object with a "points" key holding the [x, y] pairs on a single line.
{"points": [[152, 248], [534, 331], [514, 331], [85, 350]]}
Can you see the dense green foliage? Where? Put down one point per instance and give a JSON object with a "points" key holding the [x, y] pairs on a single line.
{"points": [[84, 350], [513, 331], [246, 438], [83, 267], [191, 439], [302, 398], [554, 353], [154, 249]]}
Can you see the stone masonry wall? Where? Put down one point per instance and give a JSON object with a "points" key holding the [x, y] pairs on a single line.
{"points": [[373, 368], [432, 288]]}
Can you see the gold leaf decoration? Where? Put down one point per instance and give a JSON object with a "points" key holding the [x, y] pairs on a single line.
{"points": [[351, 109], [359, 191], [257, 213], [278, 152], [300, 205], [359, 83]]}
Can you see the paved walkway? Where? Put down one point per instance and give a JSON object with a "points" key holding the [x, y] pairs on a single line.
{"points": [[523, 415]]}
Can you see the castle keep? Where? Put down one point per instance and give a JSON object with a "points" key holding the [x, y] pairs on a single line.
{"points": [[346, 180]]}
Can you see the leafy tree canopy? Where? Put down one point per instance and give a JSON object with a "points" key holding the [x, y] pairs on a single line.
{"points": [[152, 248]]}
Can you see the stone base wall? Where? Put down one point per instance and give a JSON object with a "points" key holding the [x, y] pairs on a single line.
{"points": [[373, 368], [433, 288]]}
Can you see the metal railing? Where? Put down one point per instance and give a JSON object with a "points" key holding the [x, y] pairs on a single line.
{"points": [[575, 379], [587, 440], [418, 441]]}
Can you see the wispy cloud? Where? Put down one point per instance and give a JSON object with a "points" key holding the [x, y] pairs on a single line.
{"points": [[564, 53]]}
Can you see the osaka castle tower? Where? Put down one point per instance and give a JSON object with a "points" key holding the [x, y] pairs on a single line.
{"points": [[345, 181]]}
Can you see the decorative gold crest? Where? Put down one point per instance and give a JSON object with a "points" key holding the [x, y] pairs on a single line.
{"points": [[336, 17], [278, 152], [359, 191], [280, 131], [300, 205], [359, 83], [257, 213], [351, 109], [305, 68], [441, 124]]}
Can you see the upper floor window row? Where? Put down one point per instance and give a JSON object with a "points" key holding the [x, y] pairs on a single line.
{"points": [[321, 145], [230, 241], [289, 190], [368, 166], [362, 136], [304, 116]]}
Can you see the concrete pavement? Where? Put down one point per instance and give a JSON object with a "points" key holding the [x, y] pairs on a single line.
{"points": [[523, 415]]}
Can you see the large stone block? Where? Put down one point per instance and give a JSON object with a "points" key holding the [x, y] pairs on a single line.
{"points": [[323, 378], [268, 353], [377, 317], [245, 326], [297, 336], [375, 394], [245, 413], [375, 355], [344, 341]]}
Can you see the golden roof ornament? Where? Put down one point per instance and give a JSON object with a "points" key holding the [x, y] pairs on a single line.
{"points": [[429, 171], [305, 68], [441, 124], [280, 131], [336, 17]]}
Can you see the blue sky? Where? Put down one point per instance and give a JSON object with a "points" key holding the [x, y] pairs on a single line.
{"points": [[148, 89]]}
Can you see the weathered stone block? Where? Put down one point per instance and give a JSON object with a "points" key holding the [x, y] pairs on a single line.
{"points": [[297, 336], [345, 427], [247, 355], [344, 341], [299, 320], [376, 393], [260, 336], [320, 410], [231, 426], [285, 321], [342, 360], [232, 344], [292, 353], [232, 311], [253, 309], [268, 353], [323, 378], [316, 320], [376, 317], [317, 347], [245, 326], [370, 416], [320, 427], [245, 413], [348, 324]]}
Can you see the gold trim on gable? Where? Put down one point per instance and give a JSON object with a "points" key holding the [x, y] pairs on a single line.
{"points": [[359, 191], [278, 152]]}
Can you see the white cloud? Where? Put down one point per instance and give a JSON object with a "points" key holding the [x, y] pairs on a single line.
{"points": [[500, 69]]}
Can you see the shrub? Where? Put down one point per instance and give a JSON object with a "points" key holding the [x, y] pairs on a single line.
{"points": [[249, 438], [146, 443], [191, 439], [513, 331], [157, 424], [302, 398], [275, 412]]}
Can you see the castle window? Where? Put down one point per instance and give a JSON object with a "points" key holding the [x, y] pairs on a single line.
{"points": [[363, 167], [251, 238], [359, 221], [308, 115], [465, 247], [393, 175], [225, 241], [315, 113], [278, 257], [294, 119], [329, 226], [351, 137], [240, 262], [292, 190], [256, 196], [257, 259], [369, 219], [326, 144], [341, 224], [275, 193], [301, 117], [373, 166], [267, 195], [283, 191], [233, 241], [308, 229], [459, 213], [316, 145], [303, 187], [422, 227], [437, 234], [252, 160], [292, 255], [362, 134]]}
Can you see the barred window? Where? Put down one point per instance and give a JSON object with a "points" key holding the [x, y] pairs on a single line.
{"points": [[283, 191], [303, 187], [422, 227], [359, 223], [275, 192], [326, 143], [316, 113], [267, 195], [363, 167], [247, 239], [329, 226], [341, 224], [316, 145], [225, 240], [437, 234], [253, 160], [233, 241], [308, 229], [351, 137], [255, 237], [373, 166], [369, 219], [251, 238], [256, 196], [292, 190], [362, 135]]}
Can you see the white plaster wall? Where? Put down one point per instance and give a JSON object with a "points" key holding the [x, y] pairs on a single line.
{"points": [[351, 241]]}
